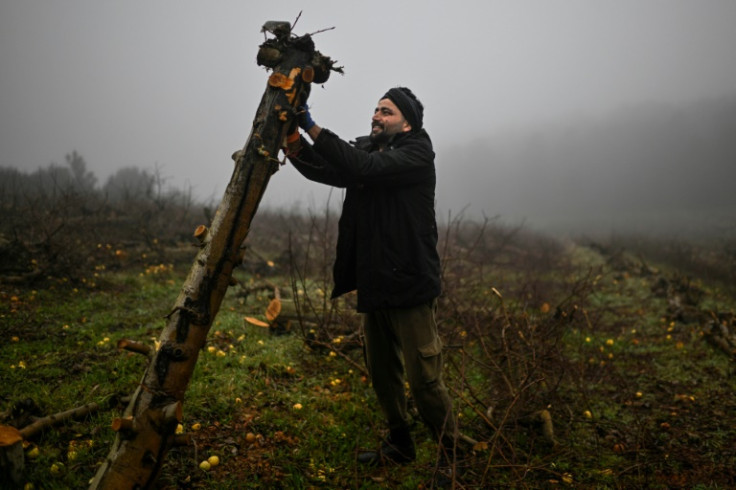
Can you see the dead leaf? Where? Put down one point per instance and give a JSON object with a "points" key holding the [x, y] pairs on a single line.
{"points": [[480, 446]]}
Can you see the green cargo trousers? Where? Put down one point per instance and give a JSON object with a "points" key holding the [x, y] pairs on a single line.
{"points": [[411, 333]]}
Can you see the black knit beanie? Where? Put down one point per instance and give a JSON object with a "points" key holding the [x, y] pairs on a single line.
{"points": [[408, 104]]}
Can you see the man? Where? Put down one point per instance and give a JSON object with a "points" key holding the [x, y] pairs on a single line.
{"points": [[387, 251]]}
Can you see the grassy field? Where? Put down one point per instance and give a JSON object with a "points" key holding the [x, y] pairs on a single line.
{"points": [[571, 366]]}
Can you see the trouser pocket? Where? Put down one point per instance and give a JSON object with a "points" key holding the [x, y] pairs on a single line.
{"points": [[430, 361]]}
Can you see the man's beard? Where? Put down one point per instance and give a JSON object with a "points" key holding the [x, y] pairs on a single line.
{"points": [[381, 137]]}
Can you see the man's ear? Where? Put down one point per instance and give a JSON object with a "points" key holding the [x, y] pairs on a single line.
{"points": [[407, 127]]}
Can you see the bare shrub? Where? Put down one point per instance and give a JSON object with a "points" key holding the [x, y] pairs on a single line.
{"points": [[46, 228], [144, 212], [324, 323], [508, 297], [709, 257], [57, 225]]}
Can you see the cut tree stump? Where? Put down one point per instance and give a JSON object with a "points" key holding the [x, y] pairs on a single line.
{"points": [[146, 430], [12, 458]]}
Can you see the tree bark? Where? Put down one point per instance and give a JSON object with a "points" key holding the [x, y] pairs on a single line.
{"points": [[146, 430]]}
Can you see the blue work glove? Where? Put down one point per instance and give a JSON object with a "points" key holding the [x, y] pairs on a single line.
{"points": [[304, 118]]}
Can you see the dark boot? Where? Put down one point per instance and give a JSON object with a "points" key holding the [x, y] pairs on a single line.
{"points": [[398, 448]]}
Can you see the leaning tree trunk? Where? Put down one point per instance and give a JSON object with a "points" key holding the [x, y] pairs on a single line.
{"points": [[146, 430]]}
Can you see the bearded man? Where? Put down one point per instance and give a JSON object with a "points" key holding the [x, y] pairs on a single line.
{"points": [[387, 251]]}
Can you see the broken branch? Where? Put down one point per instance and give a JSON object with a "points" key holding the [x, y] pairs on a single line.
{"points": [[135, 346], [48, 421]]}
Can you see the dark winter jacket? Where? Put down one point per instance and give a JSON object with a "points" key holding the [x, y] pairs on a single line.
{"points": [[387, 241]]}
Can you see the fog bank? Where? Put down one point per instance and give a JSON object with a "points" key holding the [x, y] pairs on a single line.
{"points": [[650, 167]]}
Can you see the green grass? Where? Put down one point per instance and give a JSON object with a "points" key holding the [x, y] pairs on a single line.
{"points": [[652, 379], [660, 399]]}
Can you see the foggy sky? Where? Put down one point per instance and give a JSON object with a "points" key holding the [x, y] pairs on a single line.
{"points": [[174, 84]]}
